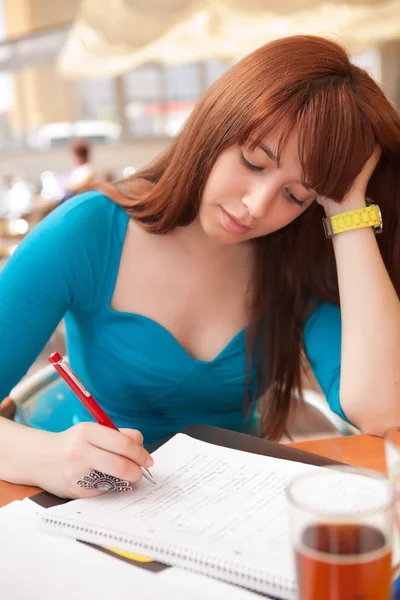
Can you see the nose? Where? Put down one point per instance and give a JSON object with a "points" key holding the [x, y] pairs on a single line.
{"points": [[258, 199]]}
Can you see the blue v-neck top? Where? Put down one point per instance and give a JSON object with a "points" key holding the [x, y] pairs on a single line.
{"points": [[140, 374]]}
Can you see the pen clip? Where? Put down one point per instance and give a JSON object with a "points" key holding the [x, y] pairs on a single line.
{"points": [[64, 365]]}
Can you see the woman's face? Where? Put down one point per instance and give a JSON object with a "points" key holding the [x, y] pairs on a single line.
{"points": [[248, 195]]}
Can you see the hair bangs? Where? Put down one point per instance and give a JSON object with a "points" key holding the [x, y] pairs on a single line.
{"points": [[280, 119], [335, 140]]}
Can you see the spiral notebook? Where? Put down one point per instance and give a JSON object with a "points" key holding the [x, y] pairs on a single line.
{"points": [[214, 510]]}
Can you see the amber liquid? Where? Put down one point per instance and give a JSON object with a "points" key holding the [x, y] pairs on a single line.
{"points": [[343, 562]]}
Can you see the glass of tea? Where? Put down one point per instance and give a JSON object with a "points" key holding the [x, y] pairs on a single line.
{"points": [[342, 525]]}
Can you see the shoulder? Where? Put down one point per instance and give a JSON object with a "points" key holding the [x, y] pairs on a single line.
{"points": [[90, 205], [73, 251], [72, 245], [85, 217]]}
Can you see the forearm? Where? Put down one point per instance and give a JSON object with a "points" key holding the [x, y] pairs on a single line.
{"points": [[370, 308], [22, 452]]}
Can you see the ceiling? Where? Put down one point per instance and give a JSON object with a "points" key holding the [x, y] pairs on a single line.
{"points": [[112, 36]]}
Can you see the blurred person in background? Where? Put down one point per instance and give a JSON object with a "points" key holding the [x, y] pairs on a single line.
{"points": [[109, 176], [83, 176], [193, 290]]}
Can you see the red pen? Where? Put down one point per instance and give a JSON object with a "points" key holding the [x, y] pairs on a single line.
{"points": [[63, 368]]}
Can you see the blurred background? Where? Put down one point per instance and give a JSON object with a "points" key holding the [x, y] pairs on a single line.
{"points": [[125, 74], [122, 76]]}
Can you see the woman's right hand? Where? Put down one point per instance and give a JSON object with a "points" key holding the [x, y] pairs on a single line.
{"points": [[74, 453]]}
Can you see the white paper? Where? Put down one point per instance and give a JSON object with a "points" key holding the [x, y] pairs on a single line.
{"points": [[37, 565], [211, 500]]}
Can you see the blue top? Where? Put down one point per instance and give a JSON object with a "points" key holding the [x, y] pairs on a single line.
{"points": [[140, 374]]}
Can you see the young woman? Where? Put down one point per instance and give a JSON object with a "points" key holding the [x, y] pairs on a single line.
{"points": [[192, 291]]}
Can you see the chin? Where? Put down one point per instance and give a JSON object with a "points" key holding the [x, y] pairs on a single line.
{"points": [[224, 238], [216, 234]]}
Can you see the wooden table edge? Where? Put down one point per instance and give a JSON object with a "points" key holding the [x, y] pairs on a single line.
{"points": [[10, 492], [362, 450]]}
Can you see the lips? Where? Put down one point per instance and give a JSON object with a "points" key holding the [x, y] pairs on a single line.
{"points": [[238, 222]]}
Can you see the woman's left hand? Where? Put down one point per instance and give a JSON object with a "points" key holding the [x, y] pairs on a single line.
{"points": [[355, 197]]}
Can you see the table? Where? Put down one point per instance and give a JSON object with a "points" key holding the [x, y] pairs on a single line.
{"points": [[358, 450]]}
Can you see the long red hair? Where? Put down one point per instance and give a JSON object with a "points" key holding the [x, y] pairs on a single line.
{"points": [[305, 83]]}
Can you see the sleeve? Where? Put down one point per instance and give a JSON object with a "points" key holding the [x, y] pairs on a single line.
{"points": [[50, 272], [322, 343]]}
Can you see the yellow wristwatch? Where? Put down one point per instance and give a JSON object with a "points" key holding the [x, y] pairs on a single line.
{"points": [[370, 216]]}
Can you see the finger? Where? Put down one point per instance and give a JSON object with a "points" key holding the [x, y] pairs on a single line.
{"points": [[80, 492], [113, 464], [117, 443], [373, 159], [134, 434], [370, 165], [322, 200]]}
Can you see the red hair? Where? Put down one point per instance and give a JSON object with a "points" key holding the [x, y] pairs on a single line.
{"points": [[305, 83]]}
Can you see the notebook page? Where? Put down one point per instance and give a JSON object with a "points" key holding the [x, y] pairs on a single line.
{"points": [[37, 565], [206, 498]]}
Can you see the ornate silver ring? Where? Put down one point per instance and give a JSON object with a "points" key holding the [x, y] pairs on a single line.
{"points": [[96, 480]]}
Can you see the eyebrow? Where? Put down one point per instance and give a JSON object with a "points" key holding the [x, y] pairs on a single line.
{"points": [[274, 158], [268, 152]]}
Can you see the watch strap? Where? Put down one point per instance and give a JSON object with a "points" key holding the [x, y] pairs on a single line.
{"points": [[369, 216]]}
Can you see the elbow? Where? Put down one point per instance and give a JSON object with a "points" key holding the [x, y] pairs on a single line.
{"points": [[373, 419], [377, 429]]}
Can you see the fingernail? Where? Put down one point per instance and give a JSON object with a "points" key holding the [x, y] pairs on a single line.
{"points": [[149, 462]]}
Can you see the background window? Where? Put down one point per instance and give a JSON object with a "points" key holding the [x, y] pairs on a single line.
{"points": [[143, 92], [98, 99]]}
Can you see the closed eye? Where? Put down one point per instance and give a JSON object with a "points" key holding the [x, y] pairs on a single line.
{"points": [[249, 165], [292, 198]]}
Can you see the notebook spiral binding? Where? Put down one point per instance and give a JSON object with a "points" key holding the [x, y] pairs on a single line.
{"points": [[226, 570]]}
